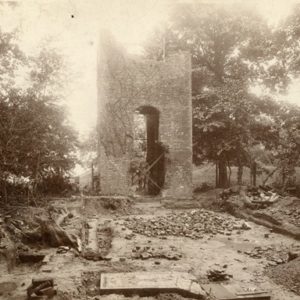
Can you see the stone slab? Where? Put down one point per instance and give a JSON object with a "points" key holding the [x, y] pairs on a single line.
{"points": [[150, 283], [231, 292]]}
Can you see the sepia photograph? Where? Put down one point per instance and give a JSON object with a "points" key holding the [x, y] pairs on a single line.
{"points": [[150, 149]]}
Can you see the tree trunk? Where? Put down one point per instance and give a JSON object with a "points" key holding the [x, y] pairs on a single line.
{"points": [[54, 236], [217, 174], [4, 191], [240, 173], [229, 175], [253, 173], [92, 179], [223, 179], [51, 234], [284, 178]]}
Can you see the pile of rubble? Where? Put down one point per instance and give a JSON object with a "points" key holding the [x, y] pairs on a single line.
{"points": [[193, 224], [287, 275], [288, 211], [148, 252], [260, 197], [274, 255], [293, 215], [41, 289], [218, 275]]}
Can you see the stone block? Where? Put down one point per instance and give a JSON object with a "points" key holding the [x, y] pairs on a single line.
{"points": [[150, 283]]}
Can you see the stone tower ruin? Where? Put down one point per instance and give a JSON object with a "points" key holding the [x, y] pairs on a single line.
{"points": [[144, 123]]}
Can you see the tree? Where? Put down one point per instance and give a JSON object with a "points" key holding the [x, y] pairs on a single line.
{"points": [[225, 47], [228, 123], [232, 49], [35, 139], [286, 44], [285, 149]]}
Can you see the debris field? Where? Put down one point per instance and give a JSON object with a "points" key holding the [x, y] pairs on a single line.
{"points": [[214, 250], [194, 224]]}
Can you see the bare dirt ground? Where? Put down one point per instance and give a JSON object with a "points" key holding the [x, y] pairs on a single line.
{"points": [[143, 237]]}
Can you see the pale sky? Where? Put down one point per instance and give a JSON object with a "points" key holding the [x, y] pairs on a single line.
{"points": [[131, 21]]}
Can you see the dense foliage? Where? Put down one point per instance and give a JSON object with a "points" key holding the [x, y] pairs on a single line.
{"points": [[234, 49], [36, 141]]}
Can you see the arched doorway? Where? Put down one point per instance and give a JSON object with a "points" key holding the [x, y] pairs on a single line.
{"points": [[149, 175]]}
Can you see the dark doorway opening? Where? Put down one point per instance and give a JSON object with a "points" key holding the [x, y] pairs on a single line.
{"points": [[150, 171]]}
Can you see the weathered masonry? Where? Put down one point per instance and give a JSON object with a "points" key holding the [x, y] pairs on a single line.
{"points": [[145, 123]]}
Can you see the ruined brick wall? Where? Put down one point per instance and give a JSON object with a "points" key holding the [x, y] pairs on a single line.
{"points": [[126, 83]]}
